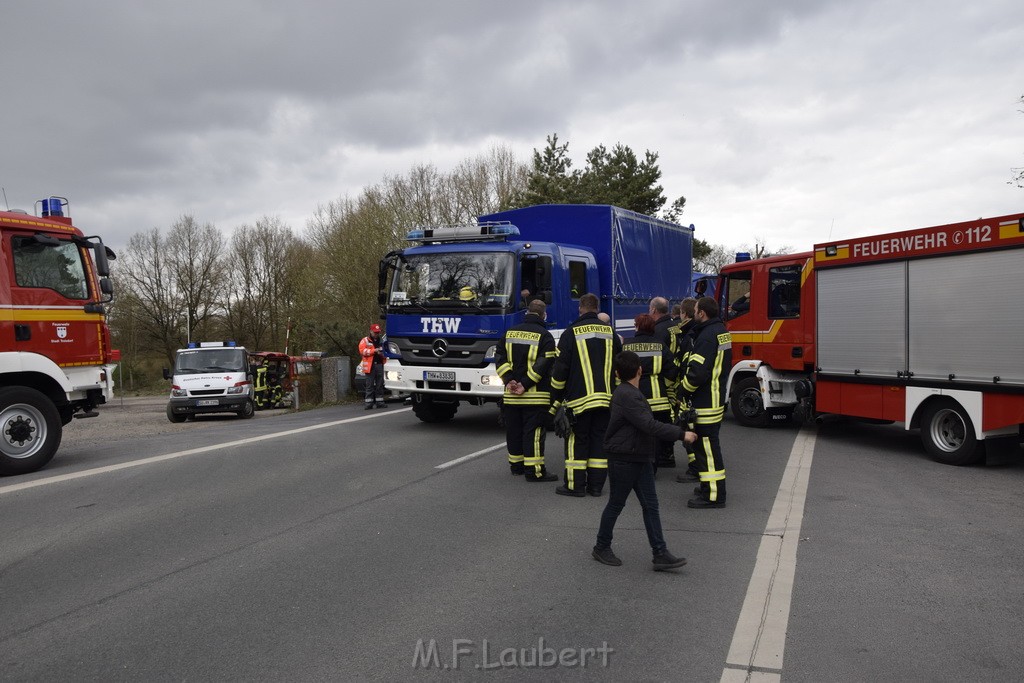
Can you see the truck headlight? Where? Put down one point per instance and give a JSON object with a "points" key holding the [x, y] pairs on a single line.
{"points": [[491, 380], [393, 375], [178, 392], [239, 388], [392, 350]]}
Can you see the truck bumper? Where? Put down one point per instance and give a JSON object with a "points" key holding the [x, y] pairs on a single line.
{"points": [[467, 383], [199, 406]]}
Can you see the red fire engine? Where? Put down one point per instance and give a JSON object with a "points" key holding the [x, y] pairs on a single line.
{"points": [[55, 358], [924, 327]]}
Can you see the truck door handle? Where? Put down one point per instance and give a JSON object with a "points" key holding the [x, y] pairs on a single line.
{"points": [[798, 352], [22, 333]]}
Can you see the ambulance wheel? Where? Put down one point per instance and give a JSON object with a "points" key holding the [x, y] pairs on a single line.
{"points": [[30, 430], [176, 418], [948, 433], [248, 411], [747, 404]]}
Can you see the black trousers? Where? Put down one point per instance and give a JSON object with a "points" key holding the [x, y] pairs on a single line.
{"points": [[524, 437], [585, 465], [710, 465], [637, 477], [665, 450]]}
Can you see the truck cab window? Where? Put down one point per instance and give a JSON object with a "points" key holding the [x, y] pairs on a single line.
{"points": [[784, 292], [577, 278], [58, 268], [736, 294]]}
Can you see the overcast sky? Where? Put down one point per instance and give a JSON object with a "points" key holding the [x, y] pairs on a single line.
{"points": [[788, 121]]}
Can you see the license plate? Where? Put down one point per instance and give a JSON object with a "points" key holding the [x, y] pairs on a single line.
{"points": [[438, 376], [208, 402]]}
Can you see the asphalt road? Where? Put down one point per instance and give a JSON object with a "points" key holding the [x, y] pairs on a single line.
{"points": [[329, 545]]}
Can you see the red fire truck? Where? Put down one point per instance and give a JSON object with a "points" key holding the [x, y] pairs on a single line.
{"points": [[923, 327], [55, 358]]}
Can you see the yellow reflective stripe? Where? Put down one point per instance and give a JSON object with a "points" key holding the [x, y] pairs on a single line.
{"points": [[588, 376], [716, 475], [696, 358], [660, 403], [576, 464], [687, 386], [536, 399], [27, 315], [709, 458], [515, 459], [505, 367], [551, 354], [558, 384], [716, 380], [598, 463], [596, 400]]}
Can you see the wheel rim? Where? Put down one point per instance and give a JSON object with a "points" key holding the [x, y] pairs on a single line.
{"points": [[750, 403], [22, 431], [948, 430]]}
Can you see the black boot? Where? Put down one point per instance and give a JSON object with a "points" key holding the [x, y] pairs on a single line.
{"points": [[566, 491], [666, 560], [606, 556], [702, 503]]}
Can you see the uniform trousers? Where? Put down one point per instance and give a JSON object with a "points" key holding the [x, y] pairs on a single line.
{"points": [[524, 437], [585, 464], [709, 462]]}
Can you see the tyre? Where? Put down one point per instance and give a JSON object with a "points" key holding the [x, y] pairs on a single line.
{"points": [[948, 433], [30, 430], [174, 417], [747, 404], [427, 410], [248, 411]]}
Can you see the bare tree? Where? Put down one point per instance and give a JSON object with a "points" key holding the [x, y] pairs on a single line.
{"points": [[194, 258], [145, 275], [259, 295]]}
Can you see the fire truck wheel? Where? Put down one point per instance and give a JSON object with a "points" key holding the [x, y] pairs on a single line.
{"points": [[30, 430], [248, 411], [747, 404], [427, 410], [948, 433], [176, 418]]}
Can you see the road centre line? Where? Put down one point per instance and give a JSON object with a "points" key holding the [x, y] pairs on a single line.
{"points": [[181, 454], [456, 461], [759, 641]]}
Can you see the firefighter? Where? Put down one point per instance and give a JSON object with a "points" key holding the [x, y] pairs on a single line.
{"points": [[665, 331], [582, 379], [659, 371], [371, 348], [684, 341], [524, 359], [703, 384]]}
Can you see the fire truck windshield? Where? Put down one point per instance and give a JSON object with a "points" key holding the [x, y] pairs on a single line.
{"points": [[50, 266], [477, 281]]}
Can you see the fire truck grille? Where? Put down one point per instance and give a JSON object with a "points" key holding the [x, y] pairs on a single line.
{"points": [[454, 351], [206, 392]]}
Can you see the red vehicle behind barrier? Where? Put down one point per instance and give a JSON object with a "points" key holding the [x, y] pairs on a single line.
{"points": [[55, 358], [274, 376], [923, 327]]}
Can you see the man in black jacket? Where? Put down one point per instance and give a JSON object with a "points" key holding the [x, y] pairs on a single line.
{"points": [[524, 359], [582, 379], [703, 383], [666, 330], [629, 445]]}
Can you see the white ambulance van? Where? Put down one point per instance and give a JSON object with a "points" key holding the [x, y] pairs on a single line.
{"points": [[210, 377]]}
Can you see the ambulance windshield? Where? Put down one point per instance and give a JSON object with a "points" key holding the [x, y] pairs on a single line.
{"points": [[193, 361], [464, 281]]}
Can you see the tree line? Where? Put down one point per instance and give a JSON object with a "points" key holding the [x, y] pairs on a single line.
{"points": [[267, 286]]}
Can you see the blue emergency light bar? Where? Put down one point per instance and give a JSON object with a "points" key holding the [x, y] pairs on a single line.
{"points": [[52, 206], [455, 233], [206, 345]]}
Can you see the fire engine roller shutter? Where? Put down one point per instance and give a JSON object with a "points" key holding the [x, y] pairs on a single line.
{"points": [[967, 317], [862, 320]]}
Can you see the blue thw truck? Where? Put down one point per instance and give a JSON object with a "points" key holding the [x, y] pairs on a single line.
{"points": [[449, 298]]}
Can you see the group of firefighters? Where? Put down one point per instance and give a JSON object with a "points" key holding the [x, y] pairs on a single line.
{"points": [[684, 360]]}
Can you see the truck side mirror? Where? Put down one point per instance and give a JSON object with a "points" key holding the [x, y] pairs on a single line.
{"points": [[167, 373], [100, 257]]}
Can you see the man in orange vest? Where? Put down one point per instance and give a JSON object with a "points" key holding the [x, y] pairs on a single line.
{"points": [[372, 351]]}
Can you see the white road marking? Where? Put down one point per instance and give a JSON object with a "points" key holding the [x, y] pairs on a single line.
{"points": [[759, 640], [456, 461], [181, 454]]}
